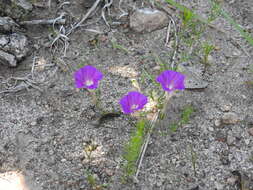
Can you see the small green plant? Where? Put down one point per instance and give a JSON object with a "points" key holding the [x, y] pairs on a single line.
{"points": [[93, 182], [161, 63], [185, 118], [115, 45], [133, 148], [193, 159], [207, 49], [248, 37], [187, 16], [215, 12]]}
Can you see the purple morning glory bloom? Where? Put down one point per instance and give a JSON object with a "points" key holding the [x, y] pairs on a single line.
{"points": [[87, 77], [132, 102], [171, 80]]}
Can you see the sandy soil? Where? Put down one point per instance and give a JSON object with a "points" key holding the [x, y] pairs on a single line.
{"points": [[44, 130]]}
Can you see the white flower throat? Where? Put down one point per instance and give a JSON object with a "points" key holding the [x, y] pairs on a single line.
{"points": [[89, 82], [134, 106], [170, 86]]}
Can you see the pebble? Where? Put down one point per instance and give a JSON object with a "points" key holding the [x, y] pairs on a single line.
{"points": [[219, 186], [250, 131], [33, 123], [230, 118], [63, 160], [157, 68], [226, 108], [230, 140], [147, 20], [217, 122], [247, 141], [7, 24], [232, 180], [194, 79], [109, 172], [236, 53]]}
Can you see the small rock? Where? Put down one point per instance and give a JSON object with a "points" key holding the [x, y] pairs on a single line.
{"points": [[226, 108], [7, 59], [230, 140], [230, 118], [157, 68], [217, 122], [236, 53], [7, 24], [63, 160], [219, 186], [17, 45], [232, 180], [250, 131], [109, 172], [148, 20], [13, 48], [211, 129], [194, 79], [247, 141], [33, 123]]}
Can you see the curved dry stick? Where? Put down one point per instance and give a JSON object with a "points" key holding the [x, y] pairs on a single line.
{"points": [[153, 122], [94, 6], [107, 5], [124, 13]]}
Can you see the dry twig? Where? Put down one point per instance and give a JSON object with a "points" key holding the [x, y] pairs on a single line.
{"points": [[106, 6], [145, 144], [44, 21], [94, 6]]}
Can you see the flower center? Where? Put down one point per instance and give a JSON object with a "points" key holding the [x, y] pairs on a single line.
{"points": [[89, 82], [134, 107], [170, 86]]}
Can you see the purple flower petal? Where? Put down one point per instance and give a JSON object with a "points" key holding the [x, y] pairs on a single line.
{"points": [[171, 80], [87, 77], [132, 102]]}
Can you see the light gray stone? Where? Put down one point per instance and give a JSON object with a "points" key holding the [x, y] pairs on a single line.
{"points": [[217, 122], [7, 59], [230, 140], [7, 24], [193, 79], [148, 20], [250, 131], [15, 44], [226, 107], [230, 118]]}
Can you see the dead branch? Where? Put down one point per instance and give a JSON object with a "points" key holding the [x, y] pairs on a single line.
{"points": [[106, 6], [145, 144], [94, 6], [44, 22]]}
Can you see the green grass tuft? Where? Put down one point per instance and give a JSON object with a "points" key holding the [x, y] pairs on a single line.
{"points": [[185, 118], [223, 13], [188, 15], [115, 45], [133, 148]]}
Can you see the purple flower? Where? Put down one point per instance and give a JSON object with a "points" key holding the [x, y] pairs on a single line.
{"points": [[132, 102], [87, 77], [171, 80]]}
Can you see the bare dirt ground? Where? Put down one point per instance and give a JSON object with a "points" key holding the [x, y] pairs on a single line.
{"points": [[45, 128]]}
